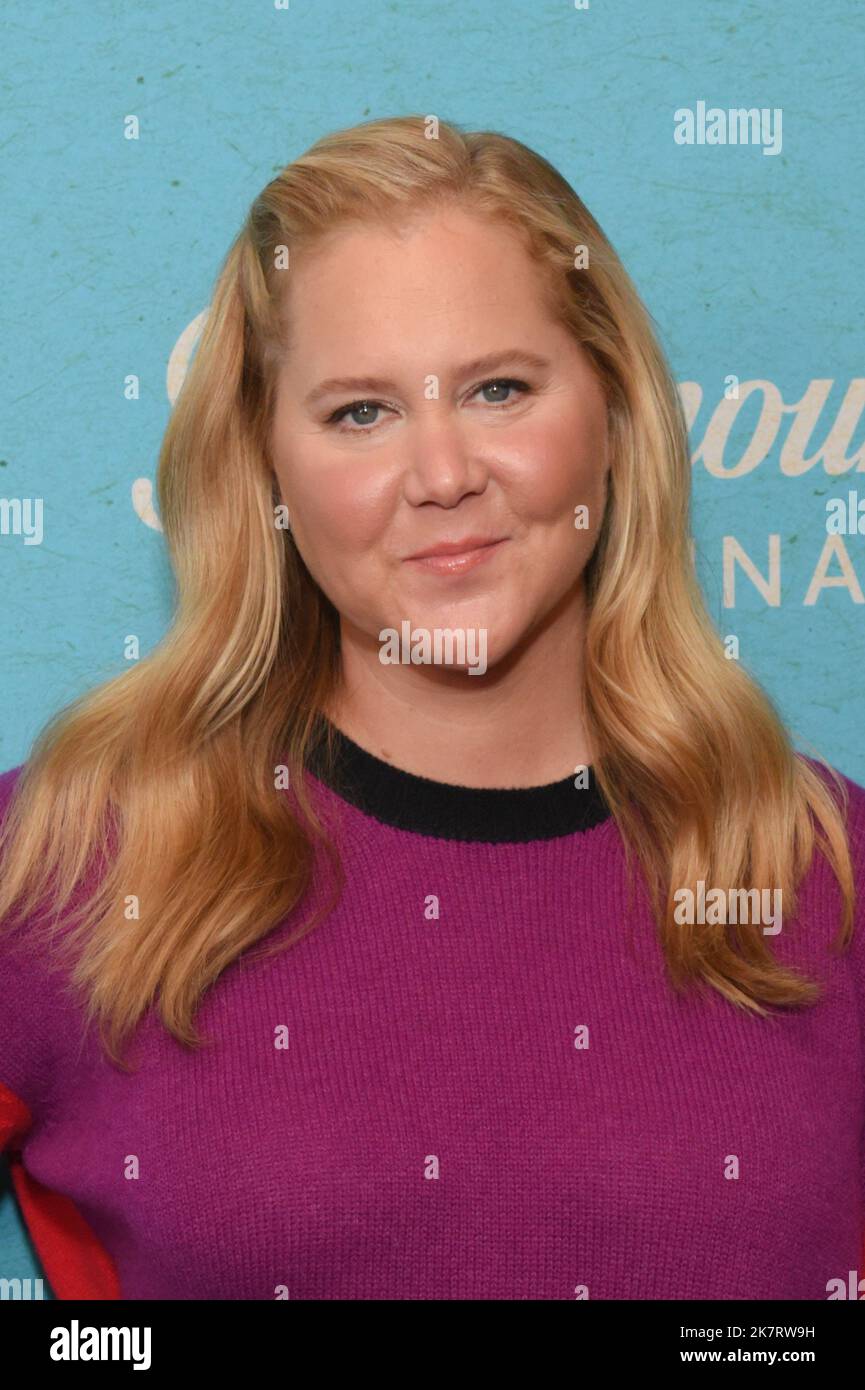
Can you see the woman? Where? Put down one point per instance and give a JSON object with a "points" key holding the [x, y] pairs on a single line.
{"points": [[394, 929]]}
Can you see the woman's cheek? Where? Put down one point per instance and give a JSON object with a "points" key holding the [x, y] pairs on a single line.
{"points": [[549, 468]]}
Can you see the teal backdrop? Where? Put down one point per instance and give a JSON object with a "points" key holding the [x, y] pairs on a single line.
{"points": [[750, 262]]}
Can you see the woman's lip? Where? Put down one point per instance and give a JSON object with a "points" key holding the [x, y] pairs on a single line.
{"points": [[460, 562]]}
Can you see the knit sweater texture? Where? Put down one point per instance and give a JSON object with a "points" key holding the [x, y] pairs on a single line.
{"points": [[473, 1080]]}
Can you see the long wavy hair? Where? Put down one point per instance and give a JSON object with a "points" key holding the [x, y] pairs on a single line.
{"points": [[164, 782]]}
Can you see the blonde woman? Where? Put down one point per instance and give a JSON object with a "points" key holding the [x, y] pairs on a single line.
{"points": [[436, 912]]}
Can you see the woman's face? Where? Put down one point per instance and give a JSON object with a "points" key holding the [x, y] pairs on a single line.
{"points": [[429, 398]]}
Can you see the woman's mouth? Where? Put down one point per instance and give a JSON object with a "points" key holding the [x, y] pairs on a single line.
{"points": [[457, 557]]}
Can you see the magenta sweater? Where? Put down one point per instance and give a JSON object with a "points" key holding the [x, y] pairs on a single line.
{"points": [[472, 1081]]}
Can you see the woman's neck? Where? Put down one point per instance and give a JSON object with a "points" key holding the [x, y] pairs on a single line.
{"points": [[454, 810], [519, 724]]}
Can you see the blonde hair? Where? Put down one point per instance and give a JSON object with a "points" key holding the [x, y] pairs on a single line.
{"points": [[163, 777]]}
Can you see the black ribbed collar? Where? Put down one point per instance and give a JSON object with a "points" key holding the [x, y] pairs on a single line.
{"points": [[494, 815]]}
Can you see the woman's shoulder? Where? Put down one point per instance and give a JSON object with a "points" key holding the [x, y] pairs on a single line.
{"points": [[856, 815], [849, 796], [857, 799], [33, 1014], [820, 897], [854, 798]]}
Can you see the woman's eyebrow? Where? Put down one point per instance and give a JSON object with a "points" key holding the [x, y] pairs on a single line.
{"points": [[490, 362]]}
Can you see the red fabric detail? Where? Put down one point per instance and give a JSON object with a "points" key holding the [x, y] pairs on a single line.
{"points": [[75, 1261], [15, 1118]]}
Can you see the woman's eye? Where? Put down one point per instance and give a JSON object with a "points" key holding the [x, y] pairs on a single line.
{"points": [[503, 384], [364, 414], [364, 409]]}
